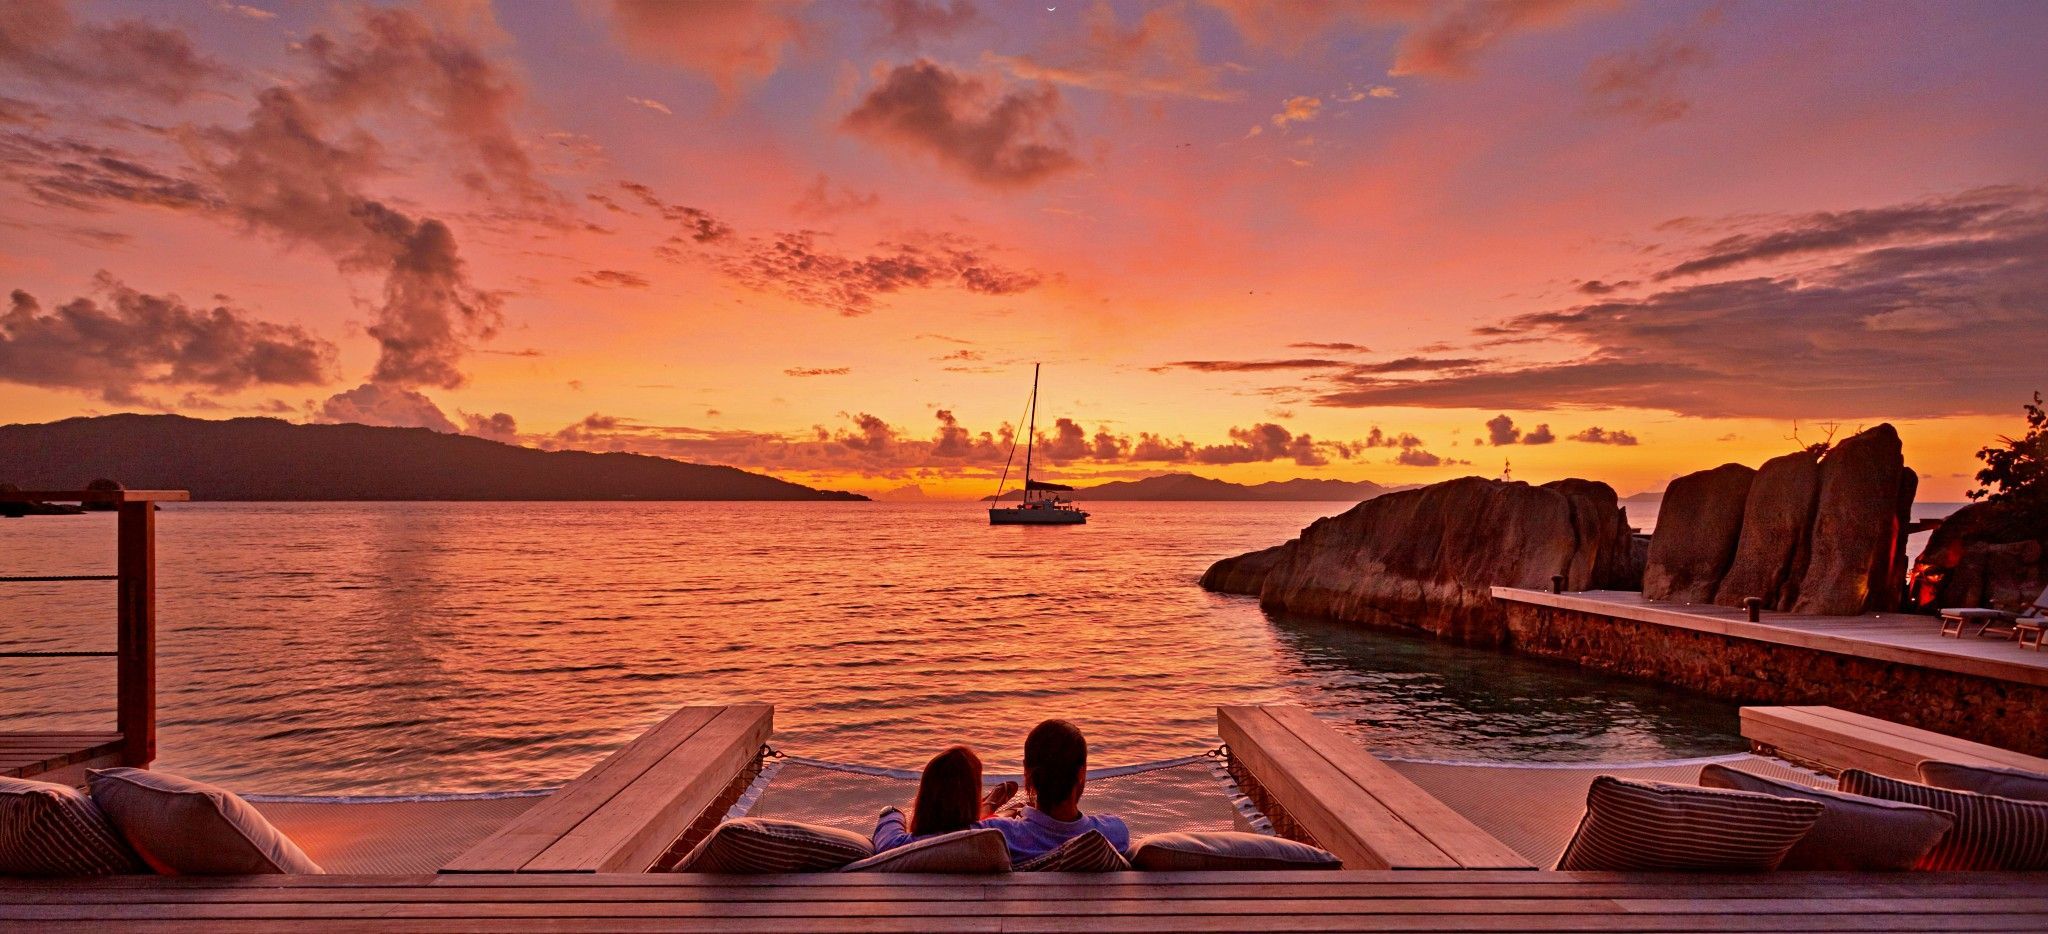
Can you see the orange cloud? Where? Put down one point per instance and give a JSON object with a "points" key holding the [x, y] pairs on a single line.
{"points": [[1000, 137], [1297, 110], [734, 44], [1159, 56]]}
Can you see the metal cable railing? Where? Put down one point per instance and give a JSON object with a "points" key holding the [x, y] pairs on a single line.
{"points": [[57, 578]]}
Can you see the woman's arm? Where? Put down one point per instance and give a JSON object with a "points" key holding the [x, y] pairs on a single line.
{"points": [[890, 831]]}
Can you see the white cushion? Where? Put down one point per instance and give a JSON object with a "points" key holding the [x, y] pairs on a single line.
{"points": [[963, 851], [2018, 784], [1658, 826], [1227, 850], [1991, 832], [1089, 852], [1854, 833], [758, 844], [55, 830], [183, 827]]}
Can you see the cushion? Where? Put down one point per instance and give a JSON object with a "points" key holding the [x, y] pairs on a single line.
{"points": [[1990, 832], [1653, 826], [963, 851], [182, 827], [55, 830], [2018, 784], [1854, 832], [1227, 850], [1089, 852], [756, 845]]}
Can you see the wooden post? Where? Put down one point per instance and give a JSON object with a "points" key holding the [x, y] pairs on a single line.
{"points": [[135, 642]]}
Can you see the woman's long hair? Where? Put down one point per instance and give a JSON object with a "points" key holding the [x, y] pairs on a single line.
{"points": [[949, 793]]}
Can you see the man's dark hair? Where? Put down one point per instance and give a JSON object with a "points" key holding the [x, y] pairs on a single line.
{"points": [[1055, 754]]}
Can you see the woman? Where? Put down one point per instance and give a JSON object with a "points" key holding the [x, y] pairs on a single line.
{"points": [[948, 799]]}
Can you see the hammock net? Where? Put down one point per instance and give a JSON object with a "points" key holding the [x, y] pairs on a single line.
{"points": [[1532, 808]]}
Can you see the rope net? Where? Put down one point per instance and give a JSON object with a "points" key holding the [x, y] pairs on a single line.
{"points": [[1188, 793], [1530, 807]]}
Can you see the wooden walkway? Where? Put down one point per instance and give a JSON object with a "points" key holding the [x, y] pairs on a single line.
{"points": [[1242, 901], [1889, 637], [58, 757]]}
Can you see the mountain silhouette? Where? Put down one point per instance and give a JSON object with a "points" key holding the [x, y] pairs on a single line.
{"points": [[272, 459], [1188, 487]]}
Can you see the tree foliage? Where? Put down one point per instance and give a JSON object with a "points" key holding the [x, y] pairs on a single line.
{"points": [[2016, 469]]}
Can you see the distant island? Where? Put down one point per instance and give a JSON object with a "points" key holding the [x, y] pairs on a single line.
{"points": [[272, 459], [1188, 487]]}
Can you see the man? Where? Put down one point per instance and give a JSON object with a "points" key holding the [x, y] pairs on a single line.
{"points": [[1055, 774]]}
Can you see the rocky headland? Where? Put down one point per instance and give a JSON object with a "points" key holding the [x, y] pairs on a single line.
{"points": [[1816, 531], [1425, 558]]}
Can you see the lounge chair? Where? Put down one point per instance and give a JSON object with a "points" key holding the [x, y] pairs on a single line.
{"points": [[2024, 624]]}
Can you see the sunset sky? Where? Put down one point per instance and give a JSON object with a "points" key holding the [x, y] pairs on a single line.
{"points": [[1397, 240]]}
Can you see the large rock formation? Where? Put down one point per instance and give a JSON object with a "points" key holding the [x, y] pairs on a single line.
{"points": [[1709, 506], [1245, 573], [1771, 556], [1984, 554], [1815, 533], [1855, 566], [1426, 558]]}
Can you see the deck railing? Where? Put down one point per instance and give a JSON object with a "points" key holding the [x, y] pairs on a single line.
{"points": [[134, 607]]}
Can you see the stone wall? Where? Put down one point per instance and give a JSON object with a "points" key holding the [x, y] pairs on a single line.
{"points": [[2001, 713]]}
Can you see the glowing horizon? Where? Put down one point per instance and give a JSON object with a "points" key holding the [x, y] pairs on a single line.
{"points": [[1250, 240]]}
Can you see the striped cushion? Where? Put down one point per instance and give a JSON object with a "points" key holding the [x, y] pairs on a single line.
{"points": [[1990, 832], [2017, 784], [183, 827], [1089, 852], [974, 850], [757, 844], [1854, 833], [1227, 850], [55, 830], [1653, 826]]}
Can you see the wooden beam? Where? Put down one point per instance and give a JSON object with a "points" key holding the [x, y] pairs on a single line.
{"points": [[95, 496], [1836, 739], [1150, 902], [624, 812], [1354, 805], [135, 632]]}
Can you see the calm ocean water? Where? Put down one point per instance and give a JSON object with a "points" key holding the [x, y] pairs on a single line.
{"points": [[380, 648]]}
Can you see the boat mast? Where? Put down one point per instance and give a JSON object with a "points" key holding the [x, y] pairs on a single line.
{"points": [[1031, 432]]}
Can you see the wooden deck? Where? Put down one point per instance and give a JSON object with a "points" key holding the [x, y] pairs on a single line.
{"points": [[58, 757], [1889, 637], [1242, 901], [1833, 739]]}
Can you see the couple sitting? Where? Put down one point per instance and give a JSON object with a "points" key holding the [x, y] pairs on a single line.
{"points": [[1055, 772]]}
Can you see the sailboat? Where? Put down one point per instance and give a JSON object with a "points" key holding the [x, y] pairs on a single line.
{"points": [[1042, 503]]}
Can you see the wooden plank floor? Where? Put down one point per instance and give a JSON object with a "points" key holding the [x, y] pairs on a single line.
{"points": [[1266, 901], [1891, 637], [57, 756]]}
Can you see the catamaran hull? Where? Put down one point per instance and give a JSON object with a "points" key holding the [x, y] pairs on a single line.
{"points": [[1036, 517]]}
